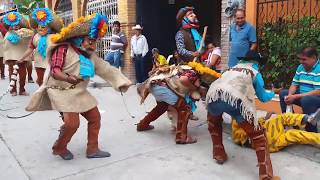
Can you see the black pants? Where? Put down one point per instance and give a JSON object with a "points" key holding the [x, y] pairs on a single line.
{"points": [[140, 68]]}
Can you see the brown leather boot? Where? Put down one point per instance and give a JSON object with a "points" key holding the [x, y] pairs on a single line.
{"points": [[215, 130], [156, 112], [184, 112], [259, 143]]}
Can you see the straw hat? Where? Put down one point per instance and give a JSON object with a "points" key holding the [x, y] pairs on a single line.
{"points": [[95, 26], [45, 17], [137, 27]]}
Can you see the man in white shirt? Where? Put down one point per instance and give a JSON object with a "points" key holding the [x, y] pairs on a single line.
{"points": [[139, 49]]}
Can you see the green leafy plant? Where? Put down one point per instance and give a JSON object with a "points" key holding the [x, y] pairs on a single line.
{"points": [[26, 6], [281, 41]]}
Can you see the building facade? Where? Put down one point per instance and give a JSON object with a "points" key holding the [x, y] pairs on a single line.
{"points": [[130, 12]]}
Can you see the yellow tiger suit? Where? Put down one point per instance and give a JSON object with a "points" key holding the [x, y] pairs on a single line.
{"points": [[278, 137]]}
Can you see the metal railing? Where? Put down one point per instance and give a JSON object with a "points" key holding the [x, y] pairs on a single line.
{"points": [[64, 10], [110, 9]]}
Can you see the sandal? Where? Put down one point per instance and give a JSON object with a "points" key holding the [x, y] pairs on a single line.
{"points": [[189, 140]]}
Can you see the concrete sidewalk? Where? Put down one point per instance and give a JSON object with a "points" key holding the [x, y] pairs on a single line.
{"points": [[25, 147]]}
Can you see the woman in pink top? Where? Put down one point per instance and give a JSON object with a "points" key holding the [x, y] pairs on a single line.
{"points": [[214, 58]]}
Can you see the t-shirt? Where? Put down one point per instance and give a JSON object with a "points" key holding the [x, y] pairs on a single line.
{"points": [[215, 51], [161, 60], [307, 80], [240, 42], [117, 41]]}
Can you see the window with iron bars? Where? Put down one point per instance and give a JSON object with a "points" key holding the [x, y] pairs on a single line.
{"points": [[110, 9], [64, 10]]}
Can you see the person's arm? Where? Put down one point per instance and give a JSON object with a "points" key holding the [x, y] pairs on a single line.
{"points": [[145, 47], [216, 55], [26, 54], [29, 51], [261, 93], [311, 93], [124, 41], [181, 48], [57, 61], [131, 49], [253, 38]]}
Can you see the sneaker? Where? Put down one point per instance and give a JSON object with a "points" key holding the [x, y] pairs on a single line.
{"points": [[99, 154], [314, 118]]}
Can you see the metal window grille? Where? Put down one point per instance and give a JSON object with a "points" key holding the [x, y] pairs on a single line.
{"points": [[290, 11], [110, 9], [64, 10]]}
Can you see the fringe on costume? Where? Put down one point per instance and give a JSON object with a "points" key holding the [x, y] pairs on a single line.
{"points": [[232, 100]]}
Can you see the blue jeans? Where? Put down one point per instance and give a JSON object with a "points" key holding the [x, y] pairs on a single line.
{"points": [[216, 108], [139, 65], [164, 94], [114, 58], [309, 105]]}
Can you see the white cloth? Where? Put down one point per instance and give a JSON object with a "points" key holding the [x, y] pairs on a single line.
{"points": [[215, 51], [139, 45], [233, 86]]}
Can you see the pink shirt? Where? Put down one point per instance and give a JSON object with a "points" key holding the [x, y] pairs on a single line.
{"points": [[215, 51]]}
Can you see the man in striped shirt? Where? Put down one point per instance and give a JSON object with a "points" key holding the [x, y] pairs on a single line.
{"points": [[305, 88], [117, 46]]}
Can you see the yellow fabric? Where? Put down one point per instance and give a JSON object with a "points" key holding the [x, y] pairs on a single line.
{"points": [[277, 136], [161, 60]]}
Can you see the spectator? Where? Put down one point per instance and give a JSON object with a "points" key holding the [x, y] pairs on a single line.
{"points": [[205, 55], [242, 38], [139, 49], [117, 46], [214, 58], [158, 59], [305, 88]]}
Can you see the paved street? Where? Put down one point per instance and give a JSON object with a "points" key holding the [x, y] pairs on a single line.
{"points": [[25, 147]]}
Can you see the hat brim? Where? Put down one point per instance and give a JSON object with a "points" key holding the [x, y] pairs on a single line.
{"points": [[137, 28]]}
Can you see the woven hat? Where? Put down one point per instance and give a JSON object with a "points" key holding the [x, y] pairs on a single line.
{"points": [[95, 26], [137, 27], [13, 19], [45, 17], [182, 12]]}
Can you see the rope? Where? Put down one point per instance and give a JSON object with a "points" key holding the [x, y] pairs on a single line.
{"points": [[126, 106], [12, 84]]}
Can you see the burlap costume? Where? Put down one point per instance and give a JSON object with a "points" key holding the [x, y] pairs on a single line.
{"points": [[173, 87], [57, 92], [50, 97], [48, 19], [16, 51], [15, 44]]}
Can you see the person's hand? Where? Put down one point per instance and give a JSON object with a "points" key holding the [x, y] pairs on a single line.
{"points": [[196, 54], [72, 79], [20, 61], [290, 99]]}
